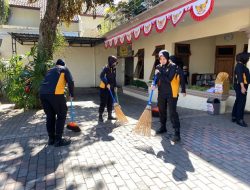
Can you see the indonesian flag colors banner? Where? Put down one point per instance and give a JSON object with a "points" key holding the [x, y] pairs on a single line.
{"points": [[199, 10]]}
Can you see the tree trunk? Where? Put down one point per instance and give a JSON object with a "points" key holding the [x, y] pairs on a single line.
{"points": [[47, 30]]}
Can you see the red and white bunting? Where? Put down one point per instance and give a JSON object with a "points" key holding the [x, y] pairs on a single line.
{"points": [[137, 32], [177, 16], [110, 42], [202, 9], [199, 10], [106, 44], [147, 28], [121, 38], [161, 23], [115, 41], [128, 36]]}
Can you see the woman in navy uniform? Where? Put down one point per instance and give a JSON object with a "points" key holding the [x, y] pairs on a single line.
{"points": [[168, 82], [108, 82], [54, 102], [241, 81]]}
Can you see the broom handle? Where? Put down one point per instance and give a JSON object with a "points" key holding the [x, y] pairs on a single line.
{"points": [[152, 92], [116, 94], [114, 100], [71, 110]]}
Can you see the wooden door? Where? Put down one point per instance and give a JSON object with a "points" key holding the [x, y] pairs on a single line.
{"points": [[225, 60]]}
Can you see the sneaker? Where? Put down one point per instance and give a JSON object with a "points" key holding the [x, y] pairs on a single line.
{"points": [[51, 141], [111, 118], [176, 138], [62, 142], [242, 123], [234, 119], [160, 131], [100, 119]]}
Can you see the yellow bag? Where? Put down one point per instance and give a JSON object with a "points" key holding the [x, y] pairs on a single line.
{"points": [[102, 85]]}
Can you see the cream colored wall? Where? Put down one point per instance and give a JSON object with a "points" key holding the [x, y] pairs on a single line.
{"points": [[72, 27], [239, 39], [24, 17], [6, 48], [202, 57], [81, 64], [88, 25]]}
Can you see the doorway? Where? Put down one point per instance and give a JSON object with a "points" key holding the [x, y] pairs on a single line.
{"points": [[225, 60], [129, 70], [183, 52]]}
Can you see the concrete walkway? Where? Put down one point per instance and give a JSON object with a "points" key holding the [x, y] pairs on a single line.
{"points": [[214, 153]]}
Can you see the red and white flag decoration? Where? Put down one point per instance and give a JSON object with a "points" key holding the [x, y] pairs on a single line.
{"points": [[161, 23], [199, 10], [177, 16], [121, 38], [115, 41], [129, 36], [147, 28], [137, 32]]}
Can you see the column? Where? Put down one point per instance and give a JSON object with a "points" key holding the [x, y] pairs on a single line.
{"points": [[248, 65]]}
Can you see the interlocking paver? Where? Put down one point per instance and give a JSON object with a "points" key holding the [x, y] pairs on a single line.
{"points": [[214, 153]]}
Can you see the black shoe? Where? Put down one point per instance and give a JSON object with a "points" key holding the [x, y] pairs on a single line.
{"points": [[234, 119], [51, 141], [161, 130], [176, 138], [62, 142], [100, 119], [111, 117], [242, 123]]}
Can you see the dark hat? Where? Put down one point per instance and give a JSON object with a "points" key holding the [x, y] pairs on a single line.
{"points": [[60, 62], [243, 57], [111, 60], [173, 58], [177, 60], [164, 53]]}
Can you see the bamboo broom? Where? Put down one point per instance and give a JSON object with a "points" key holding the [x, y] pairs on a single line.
{"points": [[118, 111], [144, 124]]}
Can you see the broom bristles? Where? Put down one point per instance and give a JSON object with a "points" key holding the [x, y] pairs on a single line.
{"points": [[143, 127], [119, 114]]}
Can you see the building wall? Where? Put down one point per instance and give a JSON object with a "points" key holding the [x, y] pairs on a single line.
{"points": [[24, 17], [6, 48], [88, 25], [72, 27], [204, 31], [202, 57], [239, 39]]}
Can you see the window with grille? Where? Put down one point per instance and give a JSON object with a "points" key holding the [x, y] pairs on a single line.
{"points": [[139, 70]]}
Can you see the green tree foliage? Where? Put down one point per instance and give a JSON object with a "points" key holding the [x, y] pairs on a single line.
{"points": [[4, 11]]}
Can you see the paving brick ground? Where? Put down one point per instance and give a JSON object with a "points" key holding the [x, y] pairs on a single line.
{"points": [[214, 153]]}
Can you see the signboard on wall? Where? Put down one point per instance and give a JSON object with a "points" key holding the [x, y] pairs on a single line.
{"points": [[124, 51]]}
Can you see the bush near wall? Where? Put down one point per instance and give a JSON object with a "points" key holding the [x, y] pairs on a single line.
{"points": [[140, 84]]}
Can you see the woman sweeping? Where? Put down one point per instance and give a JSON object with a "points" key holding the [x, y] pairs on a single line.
{"points": [[108, 82], [168, 81]]}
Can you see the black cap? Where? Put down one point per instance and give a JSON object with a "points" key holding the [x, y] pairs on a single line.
{"points": [[60, 62], [243, 57], [173, 58], [111, 60], [164, 53]]}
